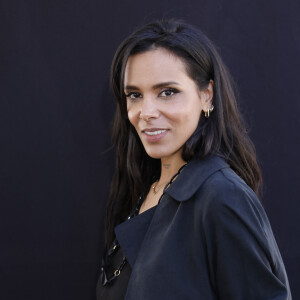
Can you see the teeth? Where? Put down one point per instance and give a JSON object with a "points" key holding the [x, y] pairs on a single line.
{"points": [[155, 132]]}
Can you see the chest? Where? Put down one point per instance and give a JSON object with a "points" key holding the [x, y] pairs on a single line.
{"points": [[150, 201], [171, 248]]}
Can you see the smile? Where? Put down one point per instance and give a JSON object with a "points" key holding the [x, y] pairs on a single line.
{"points": [[155, 132], [154, 135]]}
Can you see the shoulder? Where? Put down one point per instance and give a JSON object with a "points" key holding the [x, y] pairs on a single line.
{"points": [[226, 196], [225, 185], [212, 186]]}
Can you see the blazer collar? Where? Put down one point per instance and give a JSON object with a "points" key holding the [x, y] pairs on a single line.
{"points": [[193, 176]]}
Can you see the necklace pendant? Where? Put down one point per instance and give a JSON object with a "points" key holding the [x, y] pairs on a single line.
{"points": [[154, 191]]}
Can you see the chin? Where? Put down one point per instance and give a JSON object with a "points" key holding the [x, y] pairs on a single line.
{"points": [[160, 154], [154, 155]]}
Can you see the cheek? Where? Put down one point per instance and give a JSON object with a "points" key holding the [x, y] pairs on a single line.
{"points": [[192, 113], [185, 118]]}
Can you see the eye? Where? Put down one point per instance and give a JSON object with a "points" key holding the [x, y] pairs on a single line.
{"points": [[169, 92], [133, 95]]}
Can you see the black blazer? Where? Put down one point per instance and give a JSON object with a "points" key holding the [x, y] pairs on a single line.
{"points": [[209, 238]]}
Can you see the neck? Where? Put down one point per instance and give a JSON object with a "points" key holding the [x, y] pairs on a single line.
{"points": [[169, 167]]}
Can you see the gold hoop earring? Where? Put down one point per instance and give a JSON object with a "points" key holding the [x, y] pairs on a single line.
{"points": [[208, 112]]}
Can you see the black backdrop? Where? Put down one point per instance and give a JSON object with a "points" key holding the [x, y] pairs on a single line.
{"points": [[55, 115]]}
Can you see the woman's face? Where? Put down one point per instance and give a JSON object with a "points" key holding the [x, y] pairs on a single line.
{"points": [[163, 103]]}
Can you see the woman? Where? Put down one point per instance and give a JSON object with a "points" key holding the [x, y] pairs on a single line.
{"points": [[183, 219]]}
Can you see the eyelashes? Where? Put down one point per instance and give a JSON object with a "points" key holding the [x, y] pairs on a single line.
{"points": [[133, 95], [165, 93], [169, 91]]}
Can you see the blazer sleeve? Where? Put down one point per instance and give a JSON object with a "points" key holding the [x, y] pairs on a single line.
{"points": [[243, 256]]}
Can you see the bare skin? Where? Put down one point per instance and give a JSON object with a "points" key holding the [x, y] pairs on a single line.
{"points": [[169, 167], [164, 105]]}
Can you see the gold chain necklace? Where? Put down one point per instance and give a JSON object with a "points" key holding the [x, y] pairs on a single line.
{"points": [[156, 188], [115, 246]]}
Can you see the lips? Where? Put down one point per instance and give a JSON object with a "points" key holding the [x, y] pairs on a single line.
{"points": [[154, 134]]}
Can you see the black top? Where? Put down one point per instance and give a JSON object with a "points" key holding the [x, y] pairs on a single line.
{"points": [[116, 290], [209, 238]]}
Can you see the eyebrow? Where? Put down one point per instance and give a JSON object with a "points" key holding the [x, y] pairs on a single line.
{"points": [[154, 87]]}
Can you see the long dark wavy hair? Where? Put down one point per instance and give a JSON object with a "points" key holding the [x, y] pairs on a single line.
{"points": [[223, 133]]}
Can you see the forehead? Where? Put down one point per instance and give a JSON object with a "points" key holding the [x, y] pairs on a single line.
{"points": [[156, 65]]}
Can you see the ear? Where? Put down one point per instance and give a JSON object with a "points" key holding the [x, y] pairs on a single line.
{"points": [[207, 95]]}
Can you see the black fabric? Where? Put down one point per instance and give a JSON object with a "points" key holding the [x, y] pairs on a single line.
{"points": [[217, 244], [130, 234]]}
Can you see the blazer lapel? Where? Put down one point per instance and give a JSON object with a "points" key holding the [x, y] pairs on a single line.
{"points": [[130, 234]]}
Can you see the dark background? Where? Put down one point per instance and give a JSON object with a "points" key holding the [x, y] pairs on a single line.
{"points": [[55, 116]]}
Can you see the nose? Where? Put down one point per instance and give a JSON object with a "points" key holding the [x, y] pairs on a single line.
{"points": [[148, 109]]}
